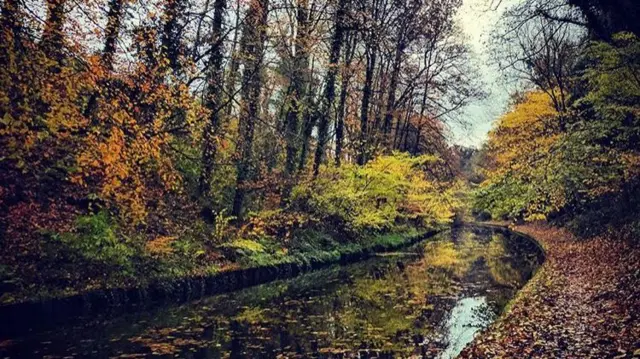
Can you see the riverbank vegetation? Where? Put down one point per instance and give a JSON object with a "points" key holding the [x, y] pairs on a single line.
{"points": [[149, 141], [568, 149]]}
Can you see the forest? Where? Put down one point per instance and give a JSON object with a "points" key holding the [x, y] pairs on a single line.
{"points": [[151, 139], [144, 141]]}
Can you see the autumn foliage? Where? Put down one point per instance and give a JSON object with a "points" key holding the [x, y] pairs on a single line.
{"points": [[522, 178], [580, 164], [174, 143]]}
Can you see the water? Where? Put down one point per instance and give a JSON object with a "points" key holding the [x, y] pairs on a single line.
{"points": [[426, 301]]}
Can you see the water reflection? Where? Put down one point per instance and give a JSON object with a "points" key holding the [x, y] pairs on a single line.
{"points": [[427, 301], [467, 317]]}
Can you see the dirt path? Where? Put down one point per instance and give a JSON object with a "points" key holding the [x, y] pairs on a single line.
{"points": [[584, 303]]}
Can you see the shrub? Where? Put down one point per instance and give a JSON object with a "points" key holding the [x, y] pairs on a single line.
{"points": [[379, 195], [277, 224], [222, 227], [95, 240]]}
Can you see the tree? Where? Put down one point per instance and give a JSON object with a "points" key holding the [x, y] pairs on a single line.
{"points": [[234, 64], [371, 52], [407, 30], [297, 107], [601, 18], [539, 52], [524, 176], [330, 82], [344, 89], [253, 42], [215, 87], [602, 151]]}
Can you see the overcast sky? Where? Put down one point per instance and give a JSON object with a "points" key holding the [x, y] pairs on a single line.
{"points": [[476, 23]]}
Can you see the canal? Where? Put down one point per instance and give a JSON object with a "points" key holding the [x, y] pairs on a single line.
{"points": [[427, 300]]}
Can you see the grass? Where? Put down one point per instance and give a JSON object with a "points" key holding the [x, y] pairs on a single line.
{"points": [[313, 246], [76, 264]]}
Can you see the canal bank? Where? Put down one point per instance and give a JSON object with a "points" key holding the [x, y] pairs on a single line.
{"points": [[36, 315]]}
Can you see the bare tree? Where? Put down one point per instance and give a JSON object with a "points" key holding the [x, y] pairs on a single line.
{"points": [[539, 51]]}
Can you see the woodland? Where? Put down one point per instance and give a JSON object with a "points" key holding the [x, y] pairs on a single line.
{"points": [[146, 140]]}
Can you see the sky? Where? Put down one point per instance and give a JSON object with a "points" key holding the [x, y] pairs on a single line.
{"points": [[476, 22]]}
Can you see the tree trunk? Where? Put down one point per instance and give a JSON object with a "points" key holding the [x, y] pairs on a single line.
{"points": [[214, 99], [423, 108], [402, 142], [397, 135], [340, 119], [330, 85], [344, 88], [172, 33], [393, 85], [254, 37], [364, 108], [234, 66], [308, 122], [298, 95], [310, 118], [52, 37], [114, 21]]}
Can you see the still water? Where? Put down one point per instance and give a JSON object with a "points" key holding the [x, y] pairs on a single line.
{"points": [[427, 301]]}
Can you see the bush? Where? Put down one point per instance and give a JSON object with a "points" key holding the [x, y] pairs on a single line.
{"points": [[277, 224], [94, 239], [251, 253], [387, 191]]}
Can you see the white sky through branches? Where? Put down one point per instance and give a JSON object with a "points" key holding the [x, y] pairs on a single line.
{"points": [[477, 21]]}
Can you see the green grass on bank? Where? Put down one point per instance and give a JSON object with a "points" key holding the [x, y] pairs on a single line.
{"points": [[317, 246], [92, 259]]}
